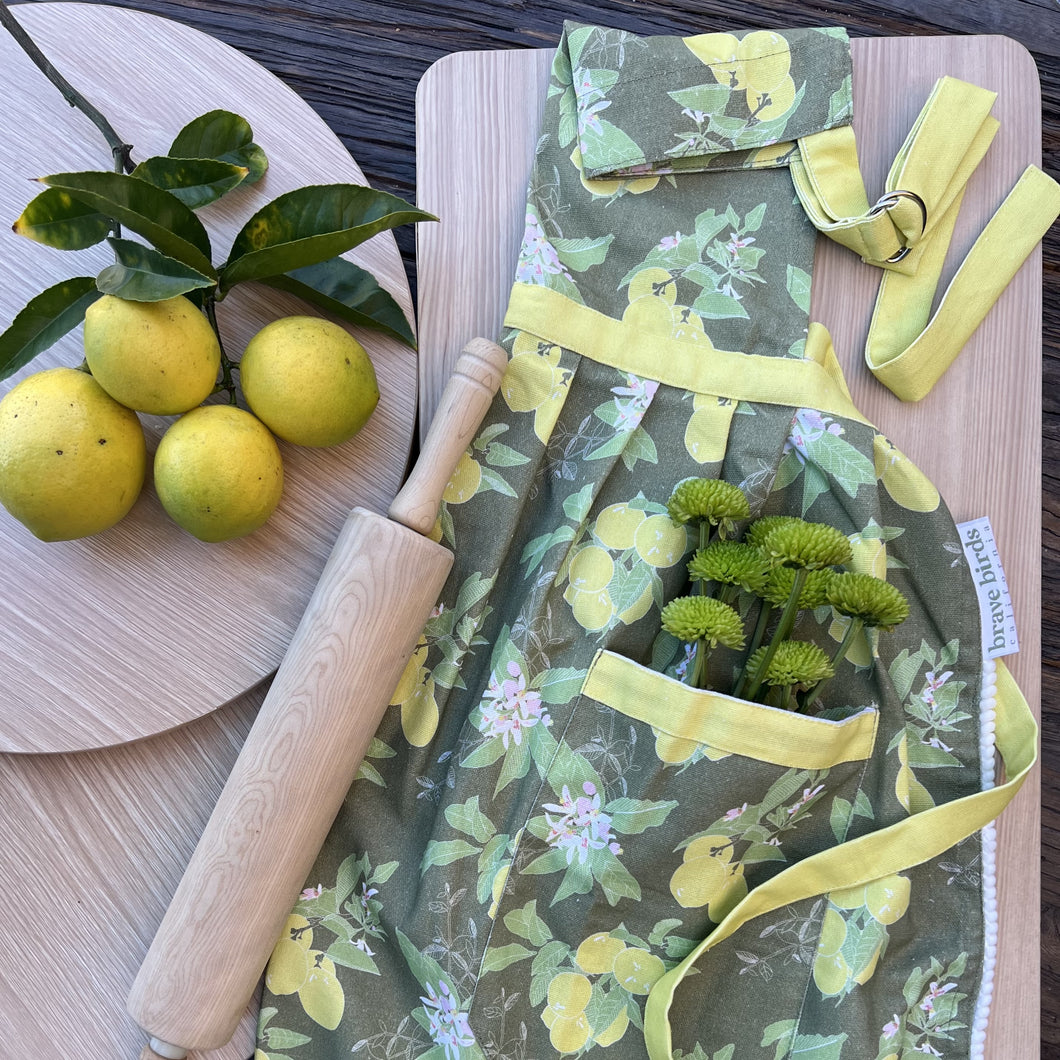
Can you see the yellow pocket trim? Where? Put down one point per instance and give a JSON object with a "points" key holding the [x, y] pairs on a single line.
{"points": [[789, 381], [912, 841], [763, 733]]}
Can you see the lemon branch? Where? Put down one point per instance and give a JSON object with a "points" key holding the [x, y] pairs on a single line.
{"points": [[121, 151], [227, 383]]}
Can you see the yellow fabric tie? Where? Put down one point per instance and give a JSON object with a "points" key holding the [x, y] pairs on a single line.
{"points": [[907, 232]]}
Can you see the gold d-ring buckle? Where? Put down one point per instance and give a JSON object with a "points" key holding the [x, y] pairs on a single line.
{"points": [[891, 198]]}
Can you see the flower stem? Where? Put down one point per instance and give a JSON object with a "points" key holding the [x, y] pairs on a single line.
{"points": [[121, 151], [784, 627], [855, 627], [756, 643]]}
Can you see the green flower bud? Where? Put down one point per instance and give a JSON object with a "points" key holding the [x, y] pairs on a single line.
{"points": [[709, 499], [795, 662], [730, 563], [756, 532], [692, 618], [778, 585], [868, 598], [807, 545]]}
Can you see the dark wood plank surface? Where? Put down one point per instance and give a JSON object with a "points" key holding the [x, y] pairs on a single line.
{"points": [[358, 62]]}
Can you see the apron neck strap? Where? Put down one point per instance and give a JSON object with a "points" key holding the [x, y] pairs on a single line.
{"points": [[907, 231]]}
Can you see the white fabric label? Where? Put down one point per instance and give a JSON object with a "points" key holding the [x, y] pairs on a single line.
{"points": [[995, 604]]}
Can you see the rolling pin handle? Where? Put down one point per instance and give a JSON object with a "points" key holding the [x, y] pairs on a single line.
{"points": [[467, 396]]}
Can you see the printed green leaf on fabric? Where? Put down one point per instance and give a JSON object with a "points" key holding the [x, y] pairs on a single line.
{"points": [[44, 320], [56, 219], [310, 225]]}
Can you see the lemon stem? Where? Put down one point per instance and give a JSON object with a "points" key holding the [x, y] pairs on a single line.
{"points": [[855, 627], [121, 151], [783, 630], [227, 383]]}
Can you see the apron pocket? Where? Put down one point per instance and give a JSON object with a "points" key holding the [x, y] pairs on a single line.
{"points": [[662, 807]]}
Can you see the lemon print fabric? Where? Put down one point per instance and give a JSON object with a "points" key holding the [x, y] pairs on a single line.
{"points": [[538, 848]]}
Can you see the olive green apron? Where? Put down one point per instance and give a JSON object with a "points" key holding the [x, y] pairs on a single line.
{"points": [[556, 845]]}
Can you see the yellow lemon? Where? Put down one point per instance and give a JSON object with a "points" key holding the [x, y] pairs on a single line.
{"points": [[674, 749], [773, 102], [766, 58], [868, 556], [613, 1031], [569, 1035], [72, 460], [697, 881], [497, 889], [592, 611], [707, 433], [419, 715], [605, 186], [712, 846], [866, 972], [569, 993], [654, 281], [638, 970], [848, 897], [688, 325], [597, 953], [902, 479], [464, 482], [651, 315], [616, 525], [591, 569], [718, 51], [288, 967], [530, 379], [659, 542], [887, 899], [156, 357], [309, 380], [831, 974], [639, 608], [298, 930], [321, 994], [833, 934], [218, 472]]}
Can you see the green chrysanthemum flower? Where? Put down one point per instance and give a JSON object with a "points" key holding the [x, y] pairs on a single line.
{"points": [[778, 585], [694, 618], [795, 663], [807, 545], [870, 599], [755, 534], [730, 563], [709, 499]]}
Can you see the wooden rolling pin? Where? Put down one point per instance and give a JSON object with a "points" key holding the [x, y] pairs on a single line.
{"points": [[358, 631]]}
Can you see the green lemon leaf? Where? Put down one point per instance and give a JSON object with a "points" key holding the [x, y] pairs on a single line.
{"points": [[195, 181], [142, 274], [58, 220], [224, 136], [44, 320], [310, 225], [163, 220], [349, 292]]}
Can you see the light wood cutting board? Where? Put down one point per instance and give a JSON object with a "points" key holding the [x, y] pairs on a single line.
{"points": [[143, 628], [977, 435]]}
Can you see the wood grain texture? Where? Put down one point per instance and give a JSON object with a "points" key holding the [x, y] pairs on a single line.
{"points": [[977, 435], [142, 628], [96, 842]]}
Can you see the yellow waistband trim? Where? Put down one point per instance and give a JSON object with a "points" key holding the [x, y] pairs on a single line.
{"points": [[787, 381], [725, 723]]}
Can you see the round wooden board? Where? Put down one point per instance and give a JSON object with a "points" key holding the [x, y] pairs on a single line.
{"points": [[142, 628]]}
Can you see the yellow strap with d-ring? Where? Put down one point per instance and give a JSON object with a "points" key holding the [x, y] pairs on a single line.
{"points": [[908, 230]]}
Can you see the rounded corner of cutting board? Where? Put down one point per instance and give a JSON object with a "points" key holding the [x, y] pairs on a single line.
{"points": [[82, 685]]}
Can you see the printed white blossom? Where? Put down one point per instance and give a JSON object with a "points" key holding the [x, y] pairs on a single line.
{"points": [[637, 394], [935, 991], [891, 1029], [807, 795], [447, 1025], [809, 425], [312, 892], [582, 826], [509, 708], [538, 258]]}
